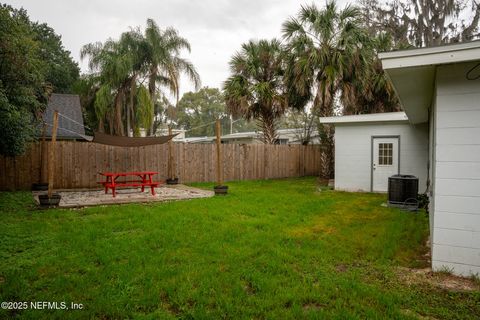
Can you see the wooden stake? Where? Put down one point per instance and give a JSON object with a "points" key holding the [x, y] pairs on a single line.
{"points": [[42, 152], [51, 160], [219, 154], [174, 161], [171, 165]]}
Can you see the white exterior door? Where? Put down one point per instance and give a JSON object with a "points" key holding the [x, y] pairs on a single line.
{"points": [[385, 162]]}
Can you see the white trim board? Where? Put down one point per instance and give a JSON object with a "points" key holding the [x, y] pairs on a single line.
{"points": [[365, 118], [461, 52]]}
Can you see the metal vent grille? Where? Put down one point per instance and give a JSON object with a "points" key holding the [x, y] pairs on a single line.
{"points": [[402, 189]]}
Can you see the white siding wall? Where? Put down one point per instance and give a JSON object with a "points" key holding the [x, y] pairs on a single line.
{"points": [[432, 169], [353, 153], [456, 230]]}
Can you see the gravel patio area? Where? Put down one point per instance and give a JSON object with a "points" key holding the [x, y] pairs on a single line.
{"points": [[83, 198]]}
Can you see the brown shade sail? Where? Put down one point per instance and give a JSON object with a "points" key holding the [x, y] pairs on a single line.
{"points": [[121, 141]]}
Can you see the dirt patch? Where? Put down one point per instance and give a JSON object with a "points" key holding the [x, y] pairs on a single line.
{"points": [[441, 280], [312, 306], [411, 313], [172, 308], [249, 288], [322, 182], [311, 231], [341, 268]]}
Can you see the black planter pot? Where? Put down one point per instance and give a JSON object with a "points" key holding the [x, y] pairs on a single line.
{"points": [[53, 201], [39, 186], [220, 190], [172, 181]]}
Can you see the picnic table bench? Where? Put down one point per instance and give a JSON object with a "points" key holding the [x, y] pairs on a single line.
{"points": [[144, 179]]}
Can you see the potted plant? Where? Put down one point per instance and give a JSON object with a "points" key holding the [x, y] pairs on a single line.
{"points": [[172, 181], [220, 190], [52, 201]]}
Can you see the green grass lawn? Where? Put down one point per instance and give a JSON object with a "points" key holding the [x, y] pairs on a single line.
{"points": [[277, 249]]}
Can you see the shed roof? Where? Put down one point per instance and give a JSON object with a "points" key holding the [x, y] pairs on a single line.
{"points": [[68, 105], [366, 118], [239, 135]]}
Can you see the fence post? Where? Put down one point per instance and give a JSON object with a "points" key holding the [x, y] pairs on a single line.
{"points": [[219, 153], [172, 176], [219, 188], [51, 161], [42, 147]]}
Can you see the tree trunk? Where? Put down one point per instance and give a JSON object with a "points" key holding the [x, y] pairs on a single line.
{"points": [[326, 132], [130, 110], [101, 125], [149, 131], [133, 123], [328, 152], [119, 131], [151, 81], [128, 120], [268, 129], [110, 123], [152, 90]]}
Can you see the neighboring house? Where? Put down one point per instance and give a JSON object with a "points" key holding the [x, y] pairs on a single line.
{"points": [[285, 136], [70, 120], [199, 140], [180, 137], [370, 148], [295, 135], [439, 87], [249, 137]]}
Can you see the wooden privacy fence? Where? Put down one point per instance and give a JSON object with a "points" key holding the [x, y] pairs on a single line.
{"points": [[78, 163]]}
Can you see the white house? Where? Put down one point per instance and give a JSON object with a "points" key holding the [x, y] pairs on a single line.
{"points": [[180, 133], [370, 148], [284, 136], [439, 87]]}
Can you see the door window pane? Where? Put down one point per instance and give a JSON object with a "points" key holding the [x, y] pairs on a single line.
{"points": [[385, 154]]}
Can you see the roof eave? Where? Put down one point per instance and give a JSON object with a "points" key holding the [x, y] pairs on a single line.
{"points": [[446, 54], [412, 73], [366, 118]]}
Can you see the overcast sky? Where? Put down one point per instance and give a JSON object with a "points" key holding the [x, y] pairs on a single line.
{"points": [[215, 28]]}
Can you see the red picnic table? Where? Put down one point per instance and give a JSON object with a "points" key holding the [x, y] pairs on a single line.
{"points": [[144, 180]]}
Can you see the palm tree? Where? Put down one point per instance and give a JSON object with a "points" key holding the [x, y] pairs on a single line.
{"points": [[255, 89], [133, 43], [86, 87], [330, 54], [164, 64], [111, 65], [374, 93], [120, 69]]}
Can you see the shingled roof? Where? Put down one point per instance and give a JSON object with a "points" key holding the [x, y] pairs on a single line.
{"points": [[68, 105]]}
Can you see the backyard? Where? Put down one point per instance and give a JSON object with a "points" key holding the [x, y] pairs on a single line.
{"points": [[270, 249]]}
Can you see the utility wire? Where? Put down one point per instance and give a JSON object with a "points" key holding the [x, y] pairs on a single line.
{"points": [[88, 138], [80, 124], [206, 124], [203, 125], [74, 121], [469, 75]]}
